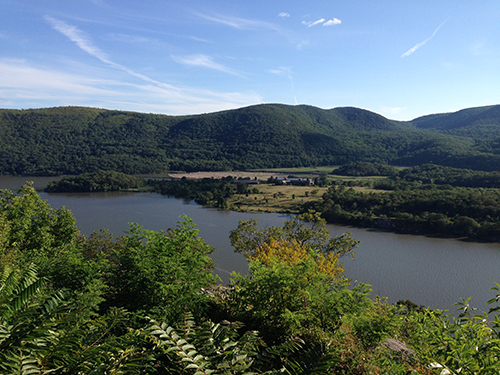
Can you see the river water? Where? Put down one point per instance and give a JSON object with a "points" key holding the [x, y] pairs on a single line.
{"points": [[434, 272]]}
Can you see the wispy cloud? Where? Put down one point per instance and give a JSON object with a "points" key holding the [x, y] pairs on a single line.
{"points": [[283, 15], [85, 43], [130, 39], [282, 70], [421, 44], [237, 22], [313, 23], [182, 97], [286, 71], [204, 61], [332, 22], [78, 37], [23, 85]]}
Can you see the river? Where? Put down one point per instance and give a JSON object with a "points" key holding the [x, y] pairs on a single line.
{"points": [[434, 272]]}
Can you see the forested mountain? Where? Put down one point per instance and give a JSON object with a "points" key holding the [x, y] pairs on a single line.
{"points": [[74, 140], [479, 122]]}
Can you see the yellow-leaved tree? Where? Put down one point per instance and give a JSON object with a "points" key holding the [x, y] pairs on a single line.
{"points": [[291, 252], [295, 286]]}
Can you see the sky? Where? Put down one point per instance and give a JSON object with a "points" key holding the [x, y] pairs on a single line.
{"points": [[401, 59]]}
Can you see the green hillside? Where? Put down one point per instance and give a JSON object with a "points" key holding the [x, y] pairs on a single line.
{"points": [[74, 140]]}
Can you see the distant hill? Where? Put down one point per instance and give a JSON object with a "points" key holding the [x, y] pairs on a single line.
{"points": [[479, 122], [74, 140]]}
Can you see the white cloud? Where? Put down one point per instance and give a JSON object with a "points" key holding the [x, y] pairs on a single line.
{"points": [[130, 39], [282, 70], [204, 61], [311, 24], [284, 15], [418, 45], [286, 71], [301, 44], [333, 21], [238, 23], [78, 37], [84, 42], [23, 85]]}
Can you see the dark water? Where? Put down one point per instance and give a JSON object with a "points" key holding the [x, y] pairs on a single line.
{"points": [[429, 271]]}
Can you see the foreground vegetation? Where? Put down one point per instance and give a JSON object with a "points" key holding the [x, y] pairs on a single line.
{"points": [[148, 303]]}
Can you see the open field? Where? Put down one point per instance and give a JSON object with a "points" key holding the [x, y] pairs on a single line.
{"points": [[302, 170], [263, 176], [276, 198]]}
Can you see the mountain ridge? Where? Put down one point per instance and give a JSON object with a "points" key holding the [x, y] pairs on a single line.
{"points": [[72, 140]]}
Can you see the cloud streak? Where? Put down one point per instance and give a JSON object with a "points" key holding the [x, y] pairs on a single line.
{"points": [[332, 22], [286, 71], [23, 85], [204, 61], [311, 24], [421, 44], [238, 23], [78, 37], [174, 98], [85, 43]]}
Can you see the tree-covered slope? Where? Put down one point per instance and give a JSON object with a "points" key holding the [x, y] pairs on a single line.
{"points": [[478, 122], [73, 140]]}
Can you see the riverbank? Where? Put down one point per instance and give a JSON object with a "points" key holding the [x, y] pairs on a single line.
{"points": [[429, 210]]}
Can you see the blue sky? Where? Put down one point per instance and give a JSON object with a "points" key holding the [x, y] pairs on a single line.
{"points": [[401, 59]]}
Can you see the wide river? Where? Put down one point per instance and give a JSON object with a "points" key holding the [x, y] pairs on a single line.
{"points": [[433, 272]]}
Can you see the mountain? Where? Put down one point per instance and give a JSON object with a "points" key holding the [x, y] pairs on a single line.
{"points": [[73, 140], [478, 122]]}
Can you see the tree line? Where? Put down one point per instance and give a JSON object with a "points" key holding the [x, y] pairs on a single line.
{"points": [[100, 181]]}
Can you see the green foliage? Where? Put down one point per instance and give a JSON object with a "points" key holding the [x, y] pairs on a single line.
{"points": [[365, 169], [34, 228], [308, 229], [95, 182], [415, 208], [285, 301], [75, 140], [288, 315], [439, 175], [207, 349], [39, 333], [469, 344], [162, 273], [290, 296], [206, 191]]}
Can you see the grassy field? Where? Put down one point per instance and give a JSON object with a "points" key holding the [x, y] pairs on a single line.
{"points": [[276, 198], [280, 198], [302, 171]]}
